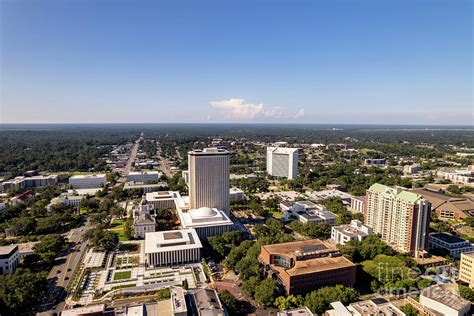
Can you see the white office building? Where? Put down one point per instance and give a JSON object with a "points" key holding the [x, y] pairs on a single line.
{"points": [[358, 203], [307, 211], [206, 221], [209, 179], [87, 181], [236, 194], [29, 182], [178, 302], [282, 162], [163, 199], [412, 169], [458, 176], [9, 259], [143, 177], [172, 247], [453, 245], [330, 193], [374, 162], [354, 231]]}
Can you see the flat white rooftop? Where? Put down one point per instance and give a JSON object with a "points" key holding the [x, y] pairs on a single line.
{"points": [[171, 240], [324, 194], [203, 217], [162, 195], [88, 176], [143, 172]]}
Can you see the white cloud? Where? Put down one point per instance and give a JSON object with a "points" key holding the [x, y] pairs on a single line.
{"points": [[238, 109], [299, 114]]}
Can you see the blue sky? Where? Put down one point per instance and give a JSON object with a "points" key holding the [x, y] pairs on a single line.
{"points": [[334, 61]]}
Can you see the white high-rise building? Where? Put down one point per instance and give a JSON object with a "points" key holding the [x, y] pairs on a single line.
{"points": [[282, 162], [401, 217], [209, 179]]}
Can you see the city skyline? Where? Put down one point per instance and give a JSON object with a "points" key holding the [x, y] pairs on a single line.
{"points": [[345, 62]]}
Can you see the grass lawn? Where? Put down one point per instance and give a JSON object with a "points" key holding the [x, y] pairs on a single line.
{"points": [[277, 215], [117, 223], [121, 234], [123, 275]]}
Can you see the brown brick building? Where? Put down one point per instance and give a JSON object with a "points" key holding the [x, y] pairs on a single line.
{"points": [[303, 266]]}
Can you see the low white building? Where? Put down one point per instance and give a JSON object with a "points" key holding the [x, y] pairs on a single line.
{"points": [[375, 306], [236, 194], [163, 199], [325, 194], [172, 247], [206, 221], [87, 181], [358, 203], [29, 182], [374, 162], [444, 301], [143, 177], [26, 249], [66, 199], [9, 259], [185, 175], [458, 176], [307, 211], [143, 224], [143, 221], [302, 311], [178, 302], [412, 169], [354, 231]]}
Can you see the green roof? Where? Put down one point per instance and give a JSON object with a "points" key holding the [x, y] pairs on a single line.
{"points": [[400, 194]]}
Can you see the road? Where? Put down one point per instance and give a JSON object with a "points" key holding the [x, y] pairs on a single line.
{"points": [[130, 161], [61, 274], [165, 167]]}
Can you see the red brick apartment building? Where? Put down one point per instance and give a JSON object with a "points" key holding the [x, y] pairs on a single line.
{"points": [[303, 266]]}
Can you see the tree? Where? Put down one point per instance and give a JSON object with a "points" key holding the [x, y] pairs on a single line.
{"points": [[366, 249], [224, 243], [128, 229], [272, 203], [322, 230], [318, 301], [249, 285], [409, 310], [466, 292], [248, 267], [185, 284], [104, 239], [230, 303], [21, 226], [50, 247], [290, 302], [469, 221], [21, 291], [388, 271], [265, 292], [454, 189]]}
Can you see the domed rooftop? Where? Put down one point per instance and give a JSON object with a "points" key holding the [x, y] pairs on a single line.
{"points": [[203, 212]]}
